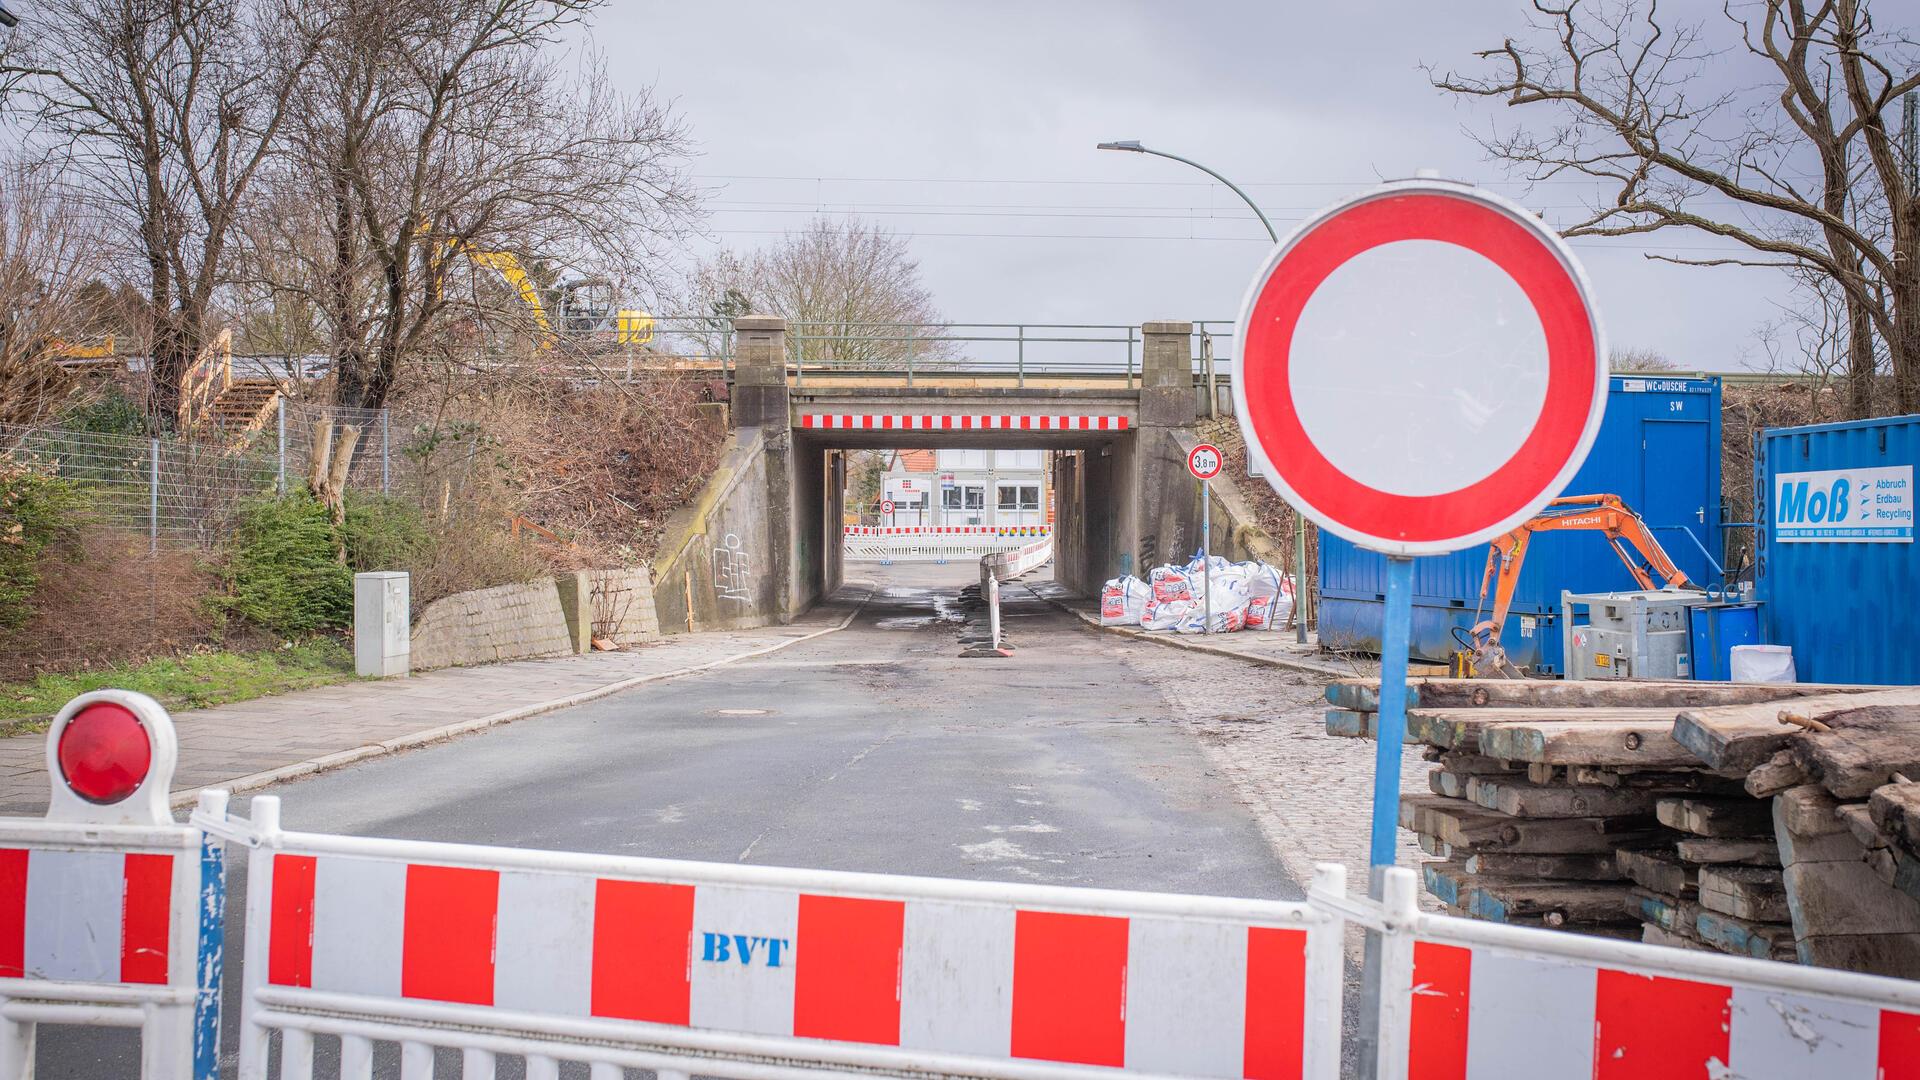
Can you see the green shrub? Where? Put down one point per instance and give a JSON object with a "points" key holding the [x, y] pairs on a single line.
{"points": [[283, 570], [112, 413], [37, 510], [384, 533]]}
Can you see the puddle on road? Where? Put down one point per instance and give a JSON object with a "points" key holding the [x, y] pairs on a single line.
{"points": [[946, 613]]}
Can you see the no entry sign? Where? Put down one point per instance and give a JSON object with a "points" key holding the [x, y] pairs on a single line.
{"points": [[1204, 461], [1421, 368], [886, 507]]}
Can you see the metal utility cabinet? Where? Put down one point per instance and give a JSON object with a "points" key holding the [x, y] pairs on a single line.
{"points": [[1658, 449], [1838, 567], [1629, 635]]}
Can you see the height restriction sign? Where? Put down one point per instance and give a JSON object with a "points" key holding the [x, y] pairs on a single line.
{"points": [[1422, 369]]}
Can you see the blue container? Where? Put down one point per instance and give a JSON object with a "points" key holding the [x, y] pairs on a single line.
{"points": [[1716, 629], [1658, 449], [1837, 565]]}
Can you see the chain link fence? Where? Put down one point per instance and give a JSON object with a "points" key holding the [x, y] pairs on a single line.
{"points": [[186, 491]]}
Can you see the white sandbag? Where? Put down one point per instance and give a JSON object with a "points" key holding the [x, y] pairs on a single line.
{"points": [[1223, 622], [1270, 594], [1171, 584], [1164, 615], [1123, 601], [1762, 663]]}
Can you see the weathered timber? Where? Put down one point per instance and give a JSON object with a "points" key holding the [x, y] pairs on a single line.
{"points": [[1447, 881], [1555, 801], [1740, 737], [1433, 846], [1364, 694], [1715, 817], [1644, 740], [1544, 867], [1775, 775], [1727, 851], [1468, 829], [1858, 820], [1741, 937], [1557, 903], [1862, 750], [1670, 913], [1653, 935], [1807, 810], [1477, 764], [1897, 955], [1895, 808], [1349, 724], [1691, 780], [1464, 730], [1754, 893], [1450, 785], [1847, 898], [1538, 773], [1657, 870]]}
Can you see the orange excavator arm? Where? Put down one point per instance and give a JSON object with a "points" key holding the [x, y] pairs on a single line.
{"points": [[1573, 513]]}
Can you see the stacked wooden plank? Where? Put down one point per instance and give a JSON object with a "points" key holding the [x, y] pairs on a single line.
{"points": [[1838, 769], [1574, 805]]}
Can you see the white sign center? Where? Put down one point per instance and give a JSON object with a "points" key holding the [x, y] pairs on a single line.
{"points": [[1481, 372]]}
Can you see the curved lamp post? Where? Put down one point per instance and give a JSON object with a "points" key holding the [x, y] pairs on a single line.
{"points": [[1301, 589]]}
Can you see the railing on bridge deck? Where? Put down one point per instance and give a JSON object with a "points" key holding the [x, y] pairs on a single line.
{"points": [[1102, 351]]}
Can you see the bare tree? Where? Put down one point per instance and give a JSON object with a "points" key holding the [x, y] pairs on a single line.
{"points": [[165, 110], [1775, 135], [49, 254], [429, 132], [1639, 360], [838, 285]]}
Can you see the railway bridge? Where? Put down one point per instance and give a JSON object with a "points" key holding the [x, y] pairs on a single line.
{"points": [[763, 541]]}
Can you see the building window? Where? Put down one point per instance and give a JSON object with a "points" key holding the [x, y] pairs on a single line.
{"points": [[950, 498], [976, 498]]}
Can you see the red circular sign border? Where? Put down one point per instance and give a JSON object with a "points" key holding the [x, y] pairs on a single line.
{"points": [[1531, 257], [1220, 461]]}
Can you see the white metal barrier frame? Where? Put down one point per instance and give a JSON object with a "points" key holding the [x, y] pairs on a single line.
{"points": [[110, 912], [934, 543], [1004, 566], [754, 972], [1466, 998]]}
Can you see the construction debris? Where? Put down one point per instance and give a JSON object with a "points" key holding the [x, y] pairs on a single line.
{"points": [[1683, 814]]}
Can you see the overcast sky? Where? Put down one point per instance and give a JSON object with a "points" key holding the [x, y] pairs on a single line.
{"points": [[970, 128]]}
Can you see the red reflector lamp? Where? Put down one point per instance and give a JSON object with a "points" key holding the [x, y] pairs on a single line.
{"points": [[105, 753]]}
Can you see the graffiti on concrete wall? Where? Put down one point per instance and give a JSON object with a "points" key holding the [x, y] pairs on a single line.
{"points": [[732, 571]]}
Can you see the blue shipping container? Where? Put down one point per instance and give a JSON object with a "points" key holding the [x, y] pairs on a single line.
{"points": [[1837, 562], [1658, 449]]}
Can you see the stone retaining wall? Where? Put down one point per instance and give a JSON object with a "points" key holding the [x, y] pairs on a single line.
{"points": [[621, 605], [486, 626]]}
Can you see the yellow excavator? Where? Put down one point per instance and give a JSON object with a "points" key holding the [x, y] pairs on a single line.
{"points": [[1480, 654], [586, 304]]}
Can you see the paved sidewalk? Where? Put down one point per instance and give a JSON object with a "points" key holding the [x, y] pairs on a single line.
{"points": [[1272, 647], [251, 744]]}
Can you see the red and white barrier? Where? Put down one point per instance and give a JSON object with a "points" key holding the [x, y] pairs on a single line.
{"points": [[109, 910], [962, 422], [1467, 1000], [935, 543], [683, 959]]}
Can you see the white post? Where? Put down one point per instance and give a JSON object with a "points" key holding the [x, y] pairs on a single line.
{"points": [[1395, 1032], [153, 496], [993, 608], [265, 813], [1326, 952], [382, 627], [1206, 550]]}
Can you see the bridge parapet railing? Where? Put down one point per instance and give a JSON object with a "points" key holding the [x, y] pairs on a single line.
{"points": [[934, 543]]}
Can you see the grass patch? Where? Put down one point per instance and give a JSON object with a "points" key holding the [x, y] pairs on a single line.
{"points": [[191, 681]]}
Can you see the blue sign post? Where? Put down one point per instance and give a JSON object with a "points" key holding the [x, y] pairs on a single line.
{"points": [[1421, 371]]}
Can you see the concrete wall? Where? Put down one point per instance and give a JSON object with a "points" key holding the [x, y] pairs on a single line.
{"points": [[726, 560], [620, 605], [508, 622]]}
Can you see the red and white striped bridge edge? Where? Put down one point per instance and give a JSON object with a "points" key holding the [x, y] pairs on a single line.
{"points": [[887, 972], [962, 422], [948, 530], [1489, 1001]]}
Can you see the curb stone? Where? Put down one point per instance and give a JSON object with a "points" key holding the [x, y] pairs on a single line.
{"points": [[188, 797]]}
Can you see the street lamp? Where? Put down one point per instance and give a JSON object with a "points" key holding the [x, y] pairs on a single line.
{"points": [[1301, 589]]}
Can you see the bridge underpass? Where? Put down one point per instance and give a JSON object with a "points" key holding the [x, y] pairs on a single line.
{"points": [[763, 543]]}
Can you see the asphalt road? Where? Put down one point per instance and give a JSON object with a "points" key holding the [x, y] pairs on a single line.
{"points": [[876, 748]]}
